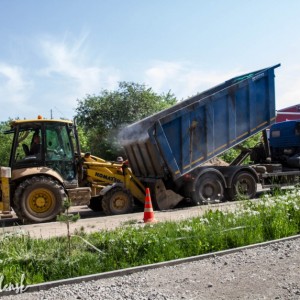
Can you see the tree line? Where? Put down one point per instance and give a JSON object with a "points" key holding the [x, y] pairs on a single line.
{"points": [[100, 117]]}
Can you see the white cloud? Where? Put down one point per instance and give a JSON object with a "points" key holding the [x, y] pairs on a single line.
{"points": [[287, 83], [62, 72], [71, 63], [65, 70], [183, 79], [15, 90], [14, 87]]}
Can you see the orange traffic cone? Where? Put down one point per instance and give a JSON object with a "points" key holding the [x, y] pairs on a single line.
{"points": [[148, 209]]}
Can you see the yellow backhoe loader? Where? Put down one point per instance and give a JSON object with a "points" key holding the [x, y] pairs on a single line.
{"points": [[47, 167]]}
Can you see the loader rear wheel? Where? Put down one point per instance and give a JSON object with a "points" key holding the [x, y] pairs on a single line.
{"points": [[117, 201], [39, 199], [209, 189], [243, 186]]}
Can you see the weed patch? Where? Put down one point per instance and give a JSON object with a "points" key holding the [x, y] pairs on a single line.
{"points": [[44, 260]]}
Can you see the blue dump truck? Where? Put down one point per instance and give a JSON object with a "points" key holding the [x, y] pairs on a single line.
{"points": [[168, 151]]}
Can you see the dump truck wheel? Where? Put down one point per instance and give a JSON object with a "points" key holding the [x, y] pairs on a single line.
{"points": [[96, 204], [243, 186], [117, 201], [39, 199], [209, 188]]}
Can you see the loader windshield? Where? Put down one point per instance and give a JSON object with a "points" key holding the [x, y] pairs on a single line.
{"points": [[59, 154]]}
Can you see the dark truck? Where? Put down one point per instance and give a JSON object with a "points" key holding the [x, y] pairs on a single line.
{"points": [[168, 150]]}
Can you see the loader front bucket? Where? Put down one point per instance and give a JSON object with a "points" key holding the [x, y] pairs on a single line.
{"points": [[162, 198]]}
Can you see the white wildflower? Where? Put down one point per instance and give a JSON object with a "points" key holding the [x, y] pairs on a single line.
{"points": [[204, 221], [187, 228]]}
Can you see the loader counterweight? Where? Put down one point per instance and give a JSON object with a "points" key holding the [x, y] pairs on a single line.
{"points": [[5, 212]]}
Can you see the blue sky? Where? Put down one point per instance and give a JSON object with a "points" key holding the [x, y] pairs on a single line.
{"points": [[57, 51]]}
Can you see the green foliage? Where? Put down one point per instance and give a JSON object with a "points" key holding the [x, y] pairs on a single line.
{"points": [[68, 218], [5, 145], [133, 245], [232, 153], [102, 116], [83, 138]]}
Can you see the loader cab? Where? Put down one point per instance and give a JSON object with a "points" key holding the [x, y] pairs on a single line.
{"points": [[45, 143]]}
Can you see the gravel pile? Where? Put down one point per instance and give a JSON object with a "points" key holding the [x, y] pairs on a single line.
{"points": [[269, 272]]}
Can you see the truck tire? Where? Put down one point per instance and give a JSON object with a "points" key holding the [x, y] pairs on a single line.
{"points": [[243, 186], [39, 199], [96, 204], [117, 201], [209, 188]]}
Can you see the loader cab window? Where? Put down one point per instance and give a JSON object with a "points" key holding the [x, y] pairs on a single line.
{"points": [[59, 152], [28, 146], [58, 143]]}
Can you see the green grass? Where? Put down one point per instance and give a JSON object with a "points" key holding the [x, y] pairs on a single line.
{"points": [[133, 245]]}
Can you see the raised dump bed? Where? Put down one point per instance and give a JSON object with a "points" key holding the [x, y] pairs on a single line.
{"points": [[181, 138]]}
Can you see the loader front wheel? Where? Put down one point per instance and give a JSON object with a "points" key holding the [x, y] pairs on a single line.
{"points": [[39, 199], [117, 201]]}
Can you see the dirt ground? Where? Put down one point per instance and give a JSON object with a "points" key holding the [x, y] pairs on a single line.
{"points": [[91, 221]]}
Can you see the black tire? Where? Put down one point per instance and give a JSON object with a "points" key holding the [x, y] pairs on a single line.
{"points": [[243, 186], [117, 201], [39, 199], [96, 204], [209, 189]]}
